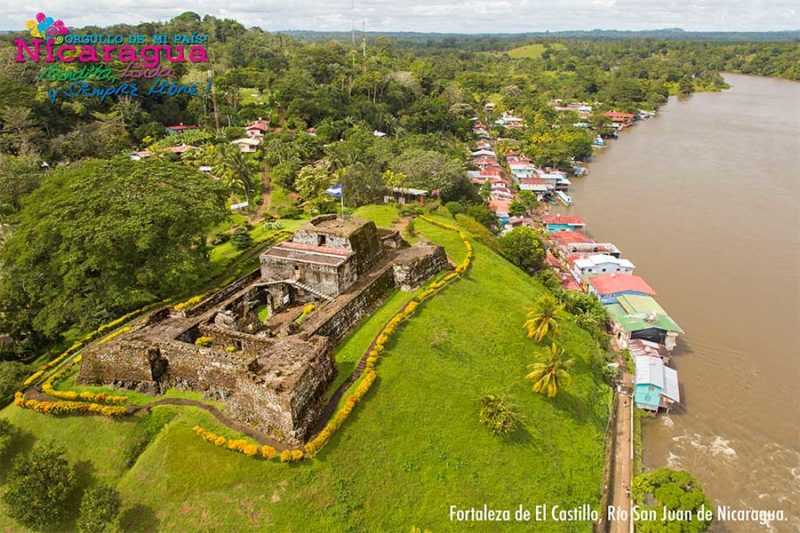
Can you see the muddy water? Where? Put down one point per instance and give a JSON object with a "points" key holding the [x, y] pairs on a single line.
{"points": [[705, 200]]}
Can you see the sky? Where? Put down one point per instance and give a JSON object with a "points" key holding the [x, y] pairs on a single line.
{"points": [[444, 16]]}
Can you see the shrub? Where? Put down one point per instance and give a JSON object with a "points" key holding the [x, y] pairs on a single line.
{"points": [[8, 433], [99, 509], [203, 341], [39, 487], [12, 374], [523, 246], [498, 415], [455, 208], [241, 239], [308, 309]]}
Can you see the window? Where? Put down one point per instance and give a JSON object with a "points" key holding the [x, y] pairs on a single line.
{"points": [[321, 240]]}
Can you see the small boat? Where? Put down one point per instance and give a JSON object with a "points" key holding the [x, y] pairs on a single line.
{"points": [[598, 141], [564, 198]]}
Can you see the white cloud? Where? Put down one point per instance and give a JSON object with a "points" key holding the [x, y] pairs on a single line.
{"points": [[458, 16]]}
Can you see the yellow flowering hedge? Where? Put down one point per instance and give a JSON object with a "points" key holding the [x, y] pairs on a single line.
{"points": [[114, 335], [191, 302], [248, 448], [67, 407]]}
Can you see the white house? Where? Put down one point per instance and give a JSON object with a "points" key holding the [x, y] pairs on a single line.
{"points": [[247, 145], [601, 264]]}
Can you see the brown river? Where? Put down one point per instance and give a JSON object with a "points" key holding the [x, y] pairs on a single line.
{"points": [[705, 200]]}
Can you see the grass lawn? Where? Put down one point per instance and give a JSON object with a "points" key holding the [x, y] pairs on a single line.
{"points": [[531, 51], [412, 448], [383, 215]]}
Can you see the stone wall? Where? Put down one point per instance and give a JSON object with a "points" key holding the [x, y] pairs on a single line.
{"points": [[285, 409], [223, 294], [339, 317], [410, 273], [126, 360]]}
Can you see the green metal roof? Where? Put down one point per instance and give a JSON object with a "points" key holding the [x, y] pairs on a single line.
{"points": [[634, 313]]}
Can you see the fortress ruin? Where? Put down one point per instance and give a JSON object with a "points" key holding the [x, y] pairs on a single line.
{"points": [[262, 349]]}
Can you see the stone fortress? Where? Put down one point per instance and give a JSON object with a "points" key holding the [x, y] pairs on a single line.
{"points": [[262, 349]]}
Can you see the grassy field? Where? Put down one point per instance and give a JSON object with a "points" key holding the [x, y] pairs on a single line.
{"points": [[409, 451], [531, 51]]}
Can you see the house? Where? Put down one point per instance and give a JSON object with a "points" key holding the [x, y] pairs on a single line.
{"points": [[489, 107], [138, 156], [247, 145], [536, 186], [257, 128], [406, 195], [641, 317], [609, 287], [601, 264], [619, 119], [180, 149], [556, 223], [501, 209], [483, 152], [378, 134], [577, 249], [180, 128], [656, 385], [638, 347]]}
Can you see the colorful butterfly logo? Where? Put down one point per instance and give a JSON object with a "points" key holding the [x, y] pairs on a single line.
{"points": [[44, 27]]}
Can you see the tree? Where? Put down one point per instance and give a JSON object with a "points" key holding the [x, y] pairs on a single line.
{"points": [[528, 200], [100, 238], [8, 432], [550, 375], [40, 486], [19, 176], [675, 490], [236, 169], [242, 239], [455, 208], [12, 374], [428, 169], [685, 86], [517, 209], [99, 509], [544, 319], [523, 247], [19, 130]]}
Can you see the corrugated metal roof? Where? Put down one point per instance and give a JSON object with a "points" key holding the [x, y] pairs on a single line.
{"points": [[649, 371], [671, 389]]}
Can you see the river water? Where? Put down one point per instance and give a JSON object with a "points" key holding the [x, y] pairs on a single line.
{"points": [[705, 200]]}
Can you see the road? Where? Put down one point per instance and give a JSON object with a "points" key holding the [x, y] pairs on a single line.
{"points": [[623, 455]]}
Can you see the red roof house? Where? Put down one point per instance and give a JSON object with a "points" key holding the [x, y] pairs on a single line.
{"points": [[608, 287]]}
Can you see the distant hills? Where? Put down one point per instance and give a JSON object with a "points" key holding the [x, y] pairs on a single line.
{"points": [[666, 33]]}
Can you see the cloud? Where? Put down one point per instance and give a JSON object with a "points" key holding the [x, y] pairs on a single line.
{"points": [[456, 16]]}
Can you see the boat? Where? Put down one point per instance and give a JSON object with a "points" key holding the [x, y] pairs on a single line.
{"points": [[564, 198], [598, 141]]}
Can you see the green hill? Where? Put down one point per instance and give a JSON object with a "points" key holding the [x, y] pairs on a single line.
{"points": [[412, 448]]}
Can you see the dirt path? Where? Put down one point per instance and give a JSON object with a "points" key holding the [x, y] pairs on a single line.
{"points": [[623, 454], [266, 194]]}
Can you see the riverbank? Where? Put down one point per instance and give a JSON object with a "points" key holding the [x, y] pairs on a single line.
{"points": [[727, 266]]}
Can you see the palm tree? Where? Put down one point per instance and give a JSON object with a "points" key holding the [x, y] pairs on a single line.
{"points": [[544, 318], [550, 375]]}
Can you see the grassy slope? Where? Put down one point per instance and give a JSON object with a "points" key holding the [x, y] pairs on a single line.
{"points": [[413, 447]]}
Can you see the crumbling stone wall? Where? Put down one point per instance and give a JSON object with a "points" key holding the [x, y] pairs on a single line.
{"points": [[340, 316], [410, 273], [285, 409]]}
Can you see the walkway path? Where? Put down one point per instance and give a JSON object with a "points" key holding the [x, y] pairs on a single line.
{"points": [[623, 454]]}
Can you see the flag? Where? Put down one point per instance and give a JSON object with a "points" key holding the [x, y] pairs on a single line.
{"points": [[335, 191]]}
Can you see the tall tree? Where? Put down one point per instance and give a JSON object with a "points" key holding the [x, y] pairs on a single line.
{"points": [[99, 238]]}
